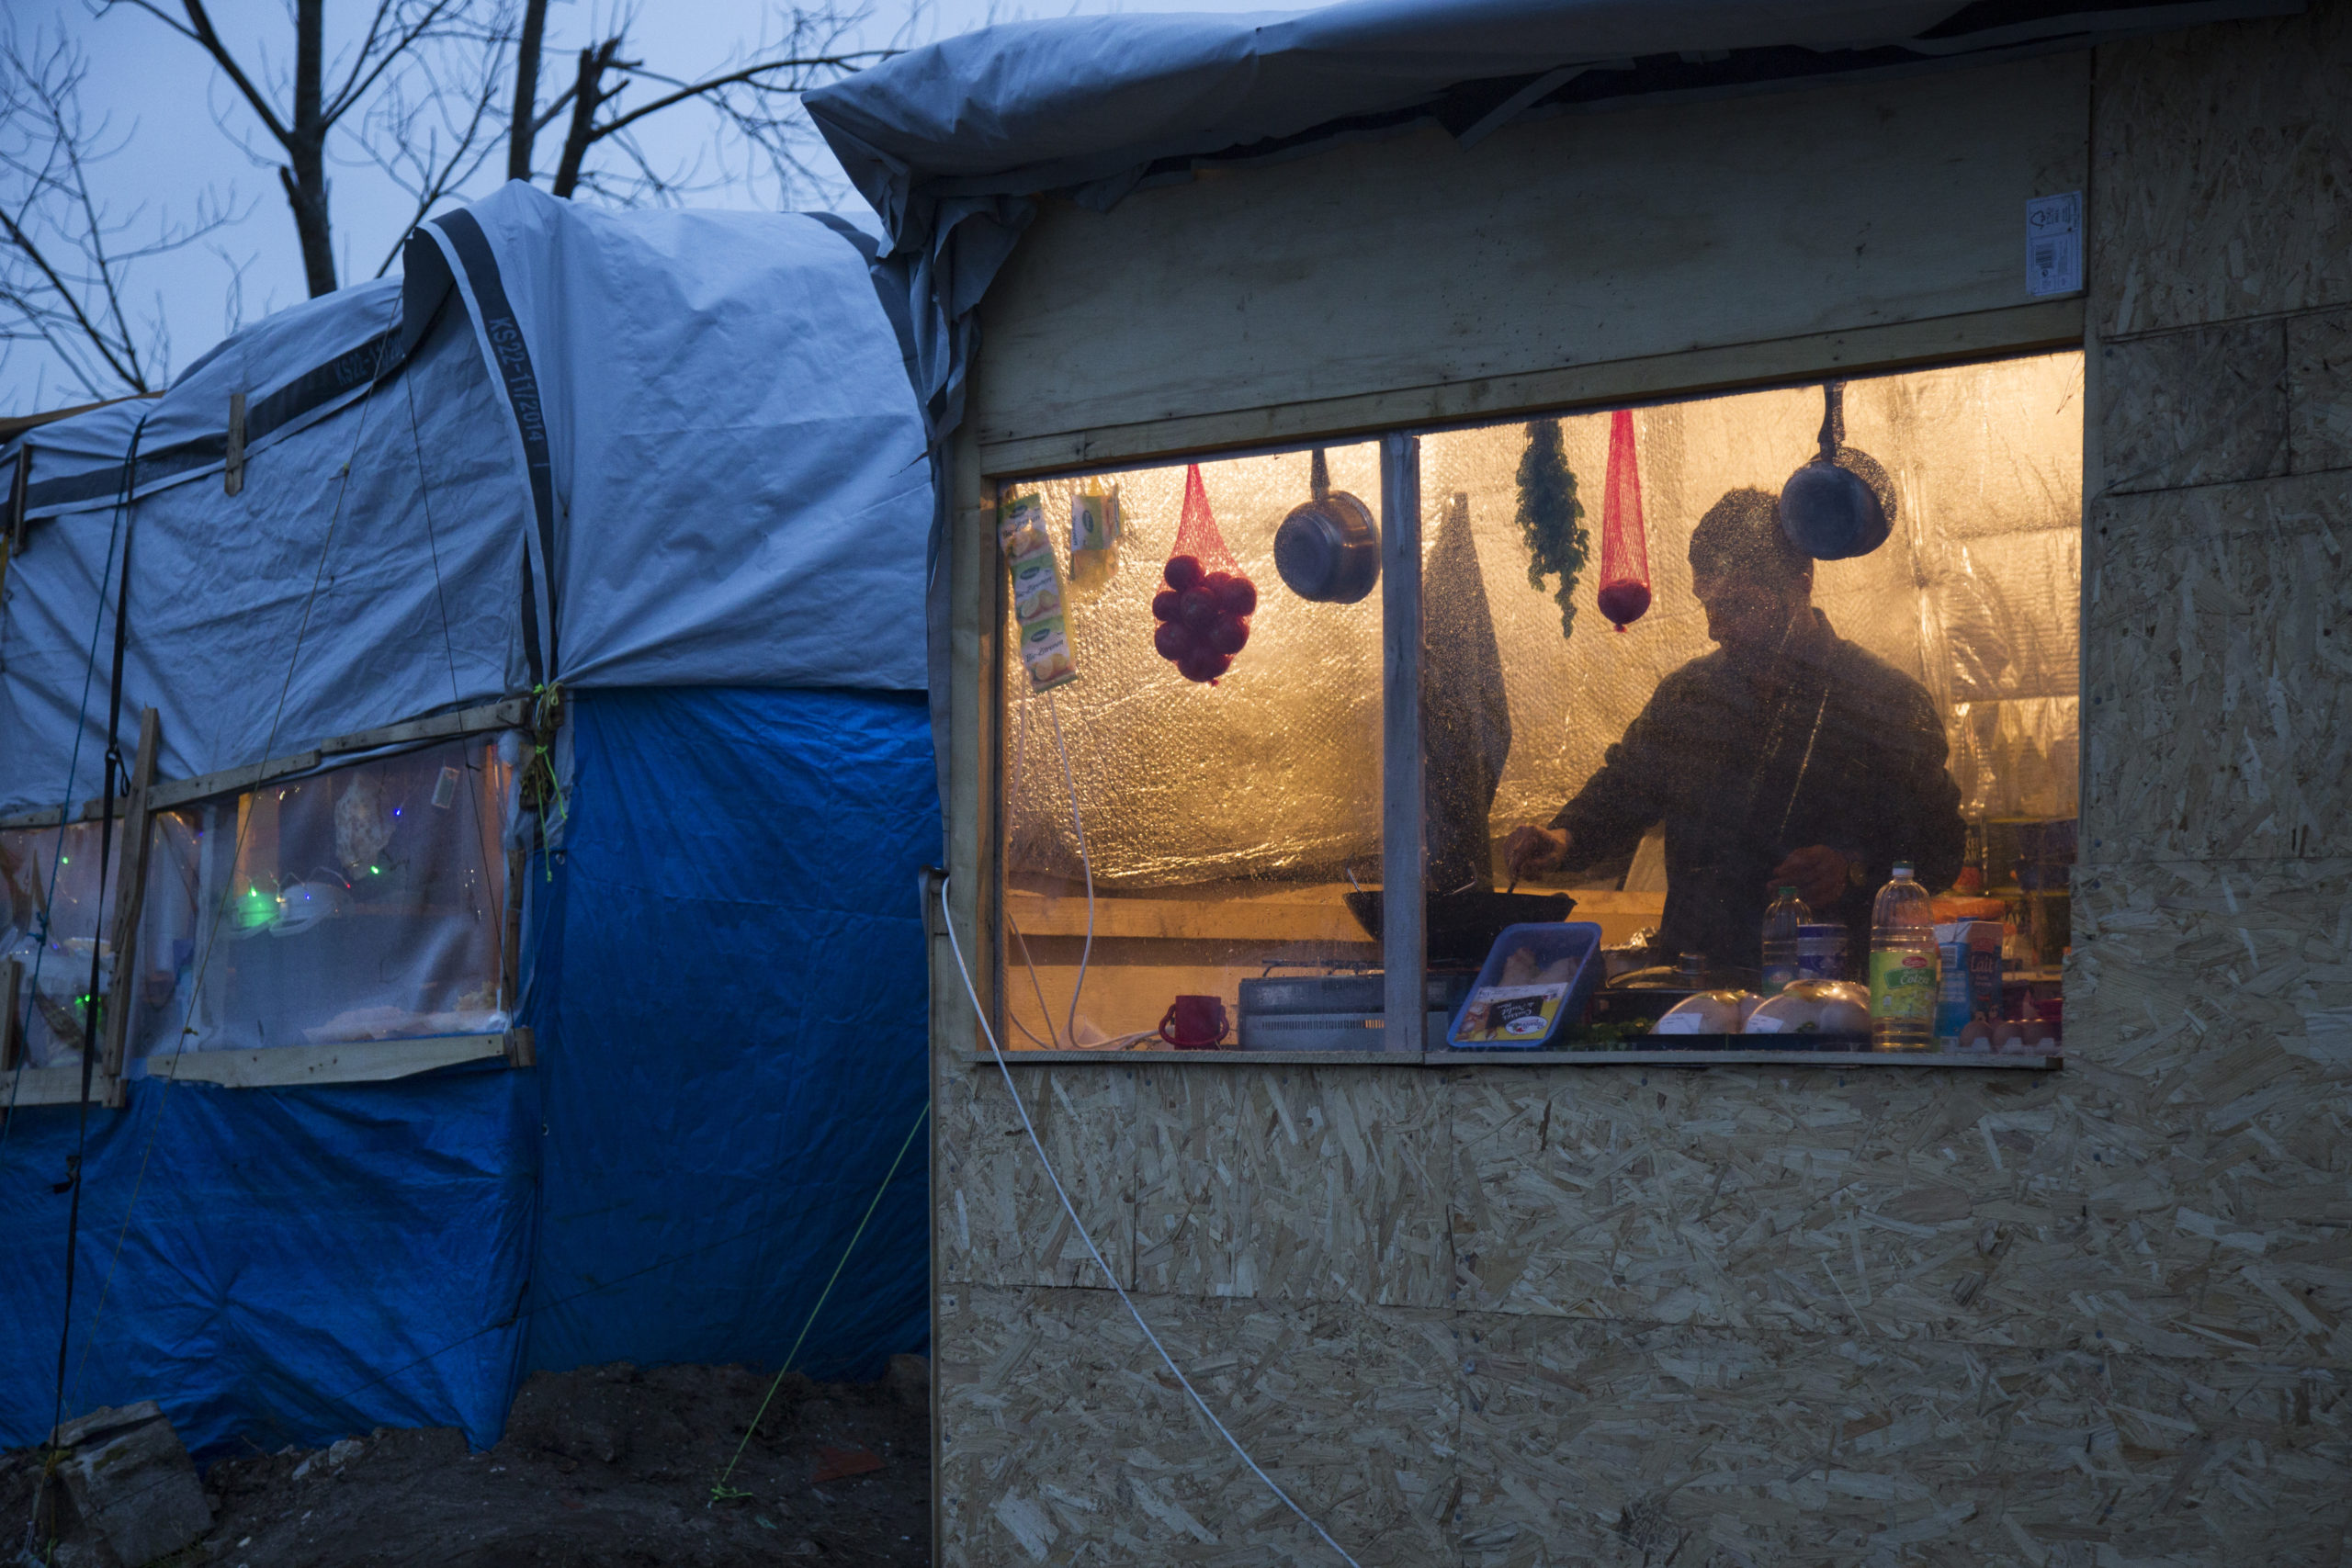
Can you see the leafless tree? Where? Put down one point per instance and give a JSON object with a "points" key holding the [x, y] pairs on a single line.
{"points": [[300, 112], [67, 269], [419, 93], [754, 96]]}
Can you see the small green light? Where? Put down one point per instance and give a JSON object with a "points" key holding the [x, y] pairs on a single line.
{"points": [[374, 870], [65, 859]]}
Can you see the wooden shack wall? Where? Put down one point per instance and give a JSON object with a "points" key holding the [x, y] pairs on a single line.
{"points": [[1501, 1316]]}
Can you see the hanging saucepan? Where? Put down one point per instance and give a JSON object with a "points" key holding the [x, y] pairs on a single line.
{"points": [[1327, 549], [1841, 504]]}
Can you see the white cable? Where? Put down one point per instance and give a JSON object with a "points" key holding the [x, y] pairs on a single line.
{"points": [[948, 918]]}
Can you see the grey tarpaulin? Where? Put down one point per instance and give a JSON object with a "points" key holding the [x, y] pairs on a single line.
{"points": [[694, 430]]}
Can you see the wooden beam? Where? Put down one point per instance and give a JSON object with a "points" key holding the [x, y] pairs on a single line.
{"points": [[2037, 328], [60, 1085], [1404, 946], [364, 1061], [130, 896], [12, 1045], [233, 471]]}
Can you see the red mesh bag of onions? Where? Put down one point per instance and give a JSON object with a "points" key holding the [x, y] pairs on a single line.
{"points": [[1624, 551], [1201, 618]]}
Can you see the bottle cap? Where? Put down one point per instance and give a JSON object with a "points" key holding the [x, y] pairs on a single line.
{"points": [[1903, 868], [1788, 892]]}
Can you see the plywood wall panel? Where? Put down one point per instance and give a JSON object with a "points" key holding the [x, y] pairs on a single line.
{"points": [[1065, 1441], [2319, 390], [1412, 261], [2204, 406], [1000, 1221], [1294, 1184], [2093, 1210], [2217, 679], [2220, 190], [1609, 1444]]}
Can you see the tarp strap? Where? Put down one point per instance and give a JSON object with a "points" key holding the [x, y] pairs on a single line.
{"points": [[508, 350]]}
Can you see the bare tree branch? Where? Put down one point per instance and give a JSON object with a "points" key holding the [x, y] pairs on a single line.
{"points": [[64, 277]]}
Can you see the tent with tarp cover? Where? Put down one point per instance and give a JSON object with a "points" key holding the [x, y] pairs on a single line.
{"points": [[503, 951]]}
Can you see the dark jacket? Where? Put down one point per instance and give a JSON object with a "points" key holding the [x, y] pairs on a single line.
{"points": [[1848, 753]]}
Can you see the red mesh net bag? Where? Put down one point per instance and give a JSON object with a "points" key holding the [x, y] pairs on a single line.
{"points": [[1201, 618], [1624, 551]]}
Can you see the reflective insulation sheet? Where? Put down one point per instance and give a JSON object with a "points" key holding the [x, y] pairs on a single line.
{"points": [[1223, 824], [1973, 599]]}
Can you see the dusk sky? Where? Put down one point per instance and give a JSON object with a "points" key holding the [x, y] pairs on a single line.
{"points": [[164, 100]]}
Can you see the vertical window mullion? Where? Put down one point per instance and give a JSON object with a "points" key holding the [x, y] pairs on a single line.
{"points": [[1404, 942]]}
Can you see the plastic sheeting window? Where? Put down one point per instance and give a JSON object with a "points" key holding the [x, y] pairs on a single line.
{"points": [[1226, 825], [52, 922], [372, 902], [1928, 713]]}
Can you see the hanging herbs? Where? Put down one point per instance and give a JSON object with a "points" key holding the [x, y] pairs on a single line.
{"points": [[1551, 519]]}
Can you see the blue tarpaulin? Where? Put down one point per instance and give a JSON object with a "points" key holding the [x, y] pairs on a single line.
{"points": [[734, 1046], [730, 1016]]}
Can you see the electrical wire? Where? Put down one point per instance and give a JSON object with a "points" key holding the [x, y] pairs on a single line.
{"points": [[203, 955], [948, 920], [72, 764]]}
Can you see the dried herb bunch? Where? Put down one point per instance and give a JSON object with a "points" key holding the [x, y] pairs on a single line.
{"points": [[1551, 518]]}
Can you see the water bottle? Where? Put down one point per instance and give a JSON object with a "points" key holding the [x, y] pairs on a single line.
{"points": [[1906, 966], [1781, 923]]}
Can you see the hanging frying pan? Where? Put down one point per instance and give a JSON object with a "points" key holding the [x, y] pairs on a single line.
{"points": [[1327, 549], [1841, 504]]}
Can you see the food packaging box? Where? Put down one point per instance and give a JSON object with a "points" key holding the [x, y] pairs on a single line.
{"points": [[1971, 977], [1509, 1010]]}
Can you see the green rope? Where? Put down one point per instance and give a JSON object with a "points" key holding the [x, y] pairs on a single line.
{"points": [[720, 1491]]}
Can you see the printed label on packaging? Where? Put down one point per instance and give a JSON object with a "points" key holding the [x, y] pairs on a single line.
{"points": [[2053, 245], [1903, 986], [1514, 1015], [1093, 520], [1037, 608]]}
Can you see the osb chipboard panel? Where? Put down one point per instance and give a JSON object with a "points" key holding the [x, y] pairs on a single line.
{"points": [[2217, 713], [1065, 1440], [1293, 1184], [2088, 1209], [1000, 1221], [2319, 390], [2220, 188], [1608, 1444], [2204, 406]]}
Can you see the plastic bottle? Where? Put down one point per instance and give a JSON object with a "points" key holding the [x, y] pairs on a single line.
{"points": [[1781, 923], [1906, 966]]}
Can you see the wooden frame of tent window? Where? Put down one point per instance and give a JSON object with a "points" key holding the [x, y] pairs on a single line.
{"points": [[368, 1061]]}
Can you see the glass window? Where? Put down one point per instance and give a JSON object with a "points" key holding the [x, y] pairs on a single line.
{"points": [[1227, 826], [1762, 719], [367, 903], [1638, 694]]}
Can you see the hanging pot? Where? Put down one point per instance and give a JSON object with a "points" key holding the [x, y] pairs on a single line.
{"points": [[1327, 549], [1841, 504]]}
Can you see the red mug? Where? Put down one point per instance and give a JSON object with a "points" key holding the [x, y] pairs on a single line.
{"points": [[1195, 1024]]}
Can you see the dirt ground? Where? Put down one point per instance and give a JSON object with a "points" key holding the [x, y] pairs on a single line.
{"points": [[606, 1467]]}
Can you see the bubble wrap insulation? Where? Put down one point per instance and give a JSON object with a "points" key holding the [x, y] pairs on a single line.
{"points": [[1275, 773]]}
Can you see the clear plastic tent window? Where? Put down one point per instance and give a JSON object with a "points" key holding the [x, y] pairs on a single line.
{"points": [[370, 902], [1225, 827]]}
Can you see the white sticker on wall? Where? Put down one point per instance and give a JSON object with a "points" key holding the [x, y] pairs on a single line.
{"points": [[2053, 245]]}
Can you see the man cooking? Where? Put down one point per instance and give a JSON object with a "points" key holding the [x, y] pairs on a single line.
{"points": [[1787, 757]]}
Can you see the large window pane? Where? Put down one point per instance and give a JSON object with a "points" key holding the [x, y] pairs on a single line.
{"points": [[1224, 825]]}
